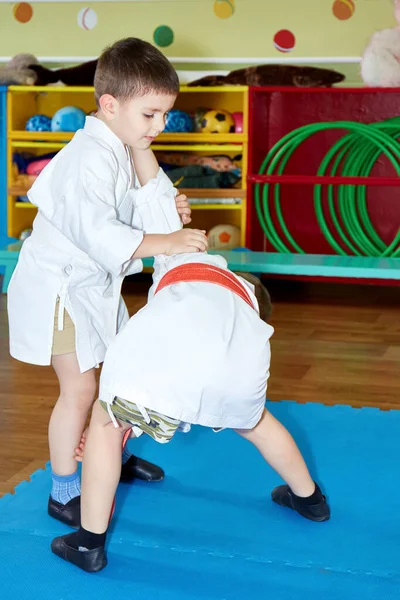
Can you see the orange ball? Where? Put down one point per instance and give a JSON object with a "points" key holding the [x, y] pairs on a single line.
{"points": [[22, 12], [343, 9]]}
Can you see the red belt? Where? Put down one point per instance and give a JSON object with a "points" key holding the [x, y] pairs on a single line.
{"points": [[207, 274]]}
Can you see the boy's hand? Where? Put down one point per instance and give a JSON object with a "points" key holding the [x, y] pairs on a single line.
{"points": [[186, 240], [79, 450], [183, 208]]}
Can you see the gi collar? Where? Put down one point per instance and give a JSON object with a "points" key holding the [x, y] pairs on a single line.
{"points": [[97, 128]]}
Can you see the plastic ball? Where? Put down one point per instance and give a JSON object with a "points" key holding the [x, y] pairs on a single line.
{"points": [[36, 167], [163, 36], [38, 123], [343, 9], [224, 8], [223, 237], [178, 121], [68, 118], [238, 119], [218, 121], [284, 40], [198, 118]]}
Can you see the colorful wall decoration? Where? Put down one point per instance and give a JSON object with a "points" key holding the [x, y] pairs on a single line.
{"points": [[201, 29]]}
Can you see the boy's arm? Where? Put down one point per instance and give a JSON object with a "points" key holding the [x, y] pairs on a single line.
{"points": [[155, 210], [146, 165], [147, 168], [84, 210], [156, 214], [178, 242], [85, 213]]}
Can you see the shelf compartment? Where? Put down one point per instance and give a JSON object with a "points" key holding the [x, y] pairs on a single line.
{"points": [[203, 138], [213, 192], [15, 190], [40, 136], [216, 206], [24, 205], [194, 139]]}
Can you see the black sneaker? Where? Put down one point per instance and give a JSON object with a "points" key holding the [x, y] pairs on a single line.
{"points": [[137, 468], [91, 561], [284, 496], [69, 513]]}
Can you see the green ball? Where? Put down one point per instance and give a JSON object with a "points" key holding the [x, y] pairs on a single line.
{"points": [[163, 36]]}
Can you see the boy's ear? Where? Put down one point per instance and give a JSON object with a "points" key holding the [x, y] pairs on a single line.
{"points": [[109, 106], [261, 293]]}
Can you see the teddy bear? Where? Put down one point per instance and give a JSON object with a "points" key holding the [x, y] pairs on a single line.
{"points": [[274, 75], [18, 71], [79, 75], [380, 63], [25, 69]]}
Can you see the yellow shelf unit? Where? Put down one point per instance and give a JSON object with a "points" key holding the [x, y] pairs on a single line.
{"points": [[25, 101], [165, 138]]}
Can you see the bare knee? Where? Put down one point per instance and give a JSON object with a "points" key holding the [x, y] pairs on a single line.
{"points": [[259, 430], [101, 420], [77, 390], [78, 397], [245, 433]]}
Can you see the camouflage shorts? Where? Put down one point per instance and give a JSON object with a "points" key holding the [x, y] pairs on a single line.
{"points": [[159, 427]]}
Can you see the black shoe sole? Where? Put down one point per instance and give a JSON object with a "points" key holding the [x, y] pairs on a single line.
{"points": [[91, 561], [129, 478], [283, 497], [305, 516], [137, 468]]}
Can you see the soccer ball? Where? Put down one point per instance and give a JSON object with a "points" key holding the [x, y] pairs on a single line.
{"points": [[218, 121], [223, 237]]}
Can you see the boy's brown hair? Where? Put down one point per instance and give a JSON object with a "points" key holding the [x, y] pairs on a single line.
{"points": [[133, 67], [262, 295]]}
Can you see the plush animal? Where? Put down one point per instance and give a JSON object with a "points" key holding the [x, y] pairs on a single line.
{"points": [[219, 162], [30, 72], [19, 71], [380, 63], [80, 75], [274, 75]]}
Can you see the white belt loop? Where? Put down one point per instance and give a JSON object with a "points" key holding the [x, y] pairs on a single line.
{"points": [[144, 413], [62, 297], [112, 416], [61, 306]]}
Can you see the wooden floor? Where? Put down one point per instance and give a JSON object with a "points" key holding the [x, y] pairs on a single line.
{"points": [[332, 344]]}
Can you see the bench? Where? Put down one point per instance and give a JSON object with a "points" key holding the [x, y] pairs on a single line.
{"points": [[271, 263], [311, 265], [9, 253], [314, 265]]}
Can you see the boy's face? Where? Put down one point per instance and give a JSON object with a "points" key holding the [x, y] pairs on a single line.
{"points": [[137, 122]]}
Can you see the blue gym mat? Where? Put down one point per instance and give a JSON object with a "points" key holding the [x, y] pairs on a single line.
{"points": [[210, 531]]}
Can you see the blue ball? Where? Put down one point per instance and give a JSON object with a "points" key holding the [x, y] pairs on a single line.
{"points": [[38, 123], [69, 118], [178, 122]]}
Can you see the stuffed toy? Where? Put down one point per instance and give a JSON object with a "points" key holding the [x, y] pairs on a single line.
{"points": [[26, 70], [219, 162], [19, 71], [200, 176], [380, 63], [274, 75], [80, 75]]}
